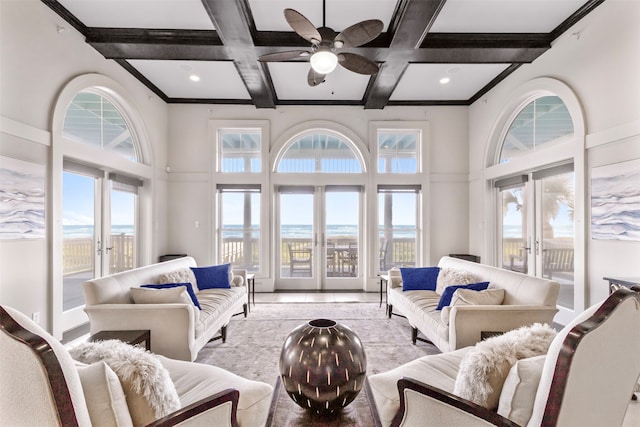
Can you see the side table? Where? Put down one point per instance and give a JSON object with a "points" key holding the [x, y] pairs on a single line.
{"points": [[384, 282], [133, 337], [616, 282], [251, 281]]}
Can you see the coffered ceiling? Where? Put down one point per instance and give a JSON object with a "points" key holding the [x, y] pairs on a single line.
{"points": [[473, 43]]}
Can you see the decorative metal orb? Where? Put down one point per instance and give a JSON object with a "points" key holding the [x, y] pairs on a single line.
{"points": [[323, 365]]}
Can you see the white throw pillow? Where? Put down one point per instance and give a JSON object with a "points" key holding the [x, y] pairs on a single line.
{"points": [[451, 276], [105, 397], [161, 296], [519, 390], [471, 297], [181, 275], [395, 277], [147, 385], [484, 368]]}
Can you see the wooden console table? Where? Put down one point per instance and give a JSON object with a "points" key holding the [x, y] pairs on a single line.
{"points": [[133, 337]]}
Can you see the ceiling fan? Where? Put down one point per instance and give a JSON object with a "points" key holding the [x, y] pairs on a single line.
{"points": [[324, 44]]}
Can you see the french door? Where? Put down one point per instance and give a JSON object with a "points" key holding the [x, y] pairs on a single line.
{"points": [[319, 237], [99, 232], [537, 232]]}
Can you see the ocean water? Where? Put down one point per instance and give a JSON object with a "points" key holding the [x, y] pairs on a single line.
{"points": [[290, 231]]}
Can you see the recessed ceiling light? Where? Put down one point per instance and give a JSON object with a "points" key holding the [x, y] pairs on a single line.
{"points": [[194, 78], [444, 80]]}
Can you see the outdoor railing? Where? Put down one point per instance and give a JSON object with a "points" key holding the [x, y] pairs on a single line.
{"points": [[78, 254]]}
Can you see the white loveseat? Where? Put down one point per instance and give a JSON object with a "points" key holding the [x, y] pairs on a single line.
{"points": [[585, 378], [527, 300], [178, 330], [41, 385]]}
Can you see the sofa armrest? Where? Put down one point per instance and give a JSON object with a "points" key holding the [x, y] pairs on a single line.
{"points": [[466, 323], [219, 409], [172, 326], [426, 405], [241, 273]]}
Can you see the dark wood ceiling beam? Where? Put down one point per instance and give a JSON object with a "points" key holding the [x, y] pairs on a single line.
{"points": [[162, 51], [476, 55], [412, 21], [235, 27]]}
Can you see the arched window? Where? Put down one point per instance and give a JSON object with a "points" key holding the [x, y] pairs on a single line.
{"points": [[319, 152], [544, 121], [92, 119]]}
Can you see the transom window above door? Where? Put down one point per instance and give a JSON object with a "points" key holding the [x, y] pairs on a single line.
{"points": [[542, 122], [240, 150], [94, 120], [320, 152], [398, 151]]}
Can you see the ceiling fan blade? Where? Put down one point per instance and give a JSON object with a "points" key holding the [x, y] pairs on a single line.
{"points": [[357, 63], [302, 26], [360, 33], [283, 56], [314, 78]]}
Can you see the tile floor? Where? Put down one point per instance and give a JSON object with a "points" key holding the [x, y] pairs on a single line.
{"points": [[632, 418]]}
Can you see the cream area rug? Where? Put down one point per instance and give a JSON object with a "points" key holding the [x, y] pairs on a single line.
{"points": [[254, 343]]}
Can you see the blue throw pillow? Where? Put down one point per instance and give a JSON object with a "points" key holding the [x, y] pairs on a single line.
{"points": [[213, 277], [187, 285], [419, 278], [447, 294]]}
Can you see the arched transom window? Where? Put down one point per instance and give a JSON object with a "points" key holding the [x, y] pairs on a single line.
{"points": [[92, 119], [542, 122], [319, 152]]}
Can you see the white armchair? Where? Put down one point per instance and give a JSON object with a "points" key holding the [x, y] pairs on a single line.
{"points": [[41, 385], [586, 378]]}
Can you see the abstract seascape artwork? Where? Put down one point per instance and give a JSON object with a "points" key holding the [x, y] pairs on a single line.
{"points": [[615, 201], [22, 199]]}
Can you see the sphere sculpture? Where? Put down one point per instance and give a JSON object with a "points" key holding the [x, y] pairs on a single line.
{"points": [[323, 365]]}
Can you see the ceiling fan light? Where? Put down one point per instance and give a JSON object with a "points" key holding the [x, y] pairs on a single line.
{"points": [[324, 61]]}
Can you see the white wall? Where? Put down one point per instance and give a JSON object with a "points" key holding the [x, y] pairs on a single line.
{"points": [[36, 63], [191, 159], [599, 60]]}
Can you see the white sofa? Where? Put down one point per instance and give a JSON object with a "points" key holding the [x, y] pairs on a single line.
{"points": [[527, 300], [178, 331]]}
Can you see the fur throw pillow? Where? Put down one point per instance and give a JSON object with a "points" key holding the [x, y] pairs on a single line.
{"points": [[147, 385], [181, 275], [452, 276], [484, 368]]}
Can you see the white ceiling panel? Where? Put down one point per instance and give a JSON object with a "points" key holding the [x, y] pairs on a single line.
{"points": [[218, 80], [156, 14], [290, 82], [422, 81], [503, 16], [268, 15]]}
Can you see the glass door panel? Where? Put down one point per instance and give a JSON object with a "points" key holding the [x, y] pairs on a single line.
{"points": [[297, 243], [515, 230], [120, 244], [79, 236], [342, 219], [557, 246]]}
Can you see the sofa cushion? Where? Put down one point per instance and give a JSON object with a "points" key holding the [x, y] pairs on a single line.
{"points": [[195, 381], [419, 278], [519, 389], [438, 370], [215, 276], [105, 397], [187, 285], [471, 297], [146, 383], [173, 295], [484, 368], [180, 275], [447, 294], [454, 276]]}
